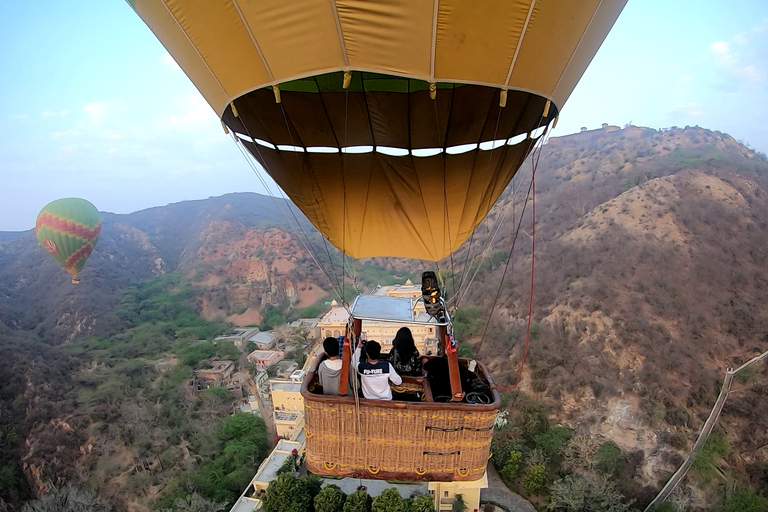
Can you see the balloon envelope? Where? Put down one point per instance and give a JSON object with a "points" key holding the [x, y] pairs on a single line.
{"points": [[390, 124], [69, 229]]}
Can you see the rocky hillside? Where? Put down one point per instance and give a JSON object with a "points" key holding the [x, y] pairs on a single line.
{"points": [[651, 278], [240, 248]]}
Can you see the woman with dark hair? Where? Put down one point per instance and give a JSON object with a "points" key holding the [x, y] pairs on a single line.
{"points": [[405, 357]]}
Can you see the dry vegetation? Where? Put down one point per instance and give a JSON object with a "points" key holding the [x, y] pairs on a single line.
{"points": [[651, 278]]}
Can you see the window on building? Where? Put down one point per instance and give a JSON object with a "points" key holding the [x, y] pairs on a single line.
{"points": [[432, 491], [336, 333], [445, 494]]}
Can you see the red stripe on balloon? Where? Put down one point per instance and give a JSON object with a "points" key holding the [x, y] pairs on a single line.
{"points": [[83, 252], [67, 226]]}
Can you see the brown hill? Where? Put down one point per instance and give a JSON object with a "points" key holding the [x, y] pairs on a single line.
{"points": [[651, 277], [241, 248], [650, 281]]}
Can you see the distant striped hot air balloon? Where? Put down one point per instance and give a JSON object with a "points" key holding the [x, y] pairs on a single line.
{"points": [[69, 229]]}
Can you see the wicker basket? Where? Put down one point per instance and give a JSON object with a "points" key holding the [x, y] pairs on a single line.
{"points": [[397, 440]]}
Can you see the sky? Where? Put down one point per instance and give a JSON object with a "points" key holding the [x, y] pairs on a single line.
{"points": [[92, 105]]}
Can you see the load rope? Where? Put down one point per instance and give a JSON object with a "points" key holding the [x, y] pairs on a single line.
{"points": [[532, 196]]}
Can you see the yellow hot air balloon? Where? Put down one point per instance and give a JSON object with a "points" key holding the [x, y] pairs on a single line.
{"points": [[69, 229], [391, 124], [394, 125]]}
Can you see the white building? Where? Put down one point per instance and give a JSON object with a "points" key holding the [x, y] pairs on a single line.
{"points": [[334, 323]]}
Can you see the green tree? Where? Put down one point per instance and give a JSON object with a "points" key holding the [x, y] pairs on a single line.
{"points": [[458, 504], [216, 396], [312, 484], [705, 461], [290, 464], [745, 501], [610, 460], [423, 503], [389, 501], [553, 441], [242, 426], [532, 420], [467, 322], [514, 465], [358, 501], [498, 257], [465, 351], [535, 480], [286, 494], [330, 499]]}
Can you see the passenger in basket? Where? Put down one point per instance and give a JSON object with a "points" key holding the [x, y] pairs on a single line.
{"points": [[405, 356], [329, 370], [374, 374]]}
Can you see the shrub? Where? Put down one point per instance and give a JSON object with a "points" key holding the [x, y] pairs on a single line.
{"points": [[422, 503], [575, 493], [284, 494], [389, 501], [705, 460], [610, 459], [535, 480], [553, 441], [358, 501], [514, 465], [458, 504], [745, 501]]}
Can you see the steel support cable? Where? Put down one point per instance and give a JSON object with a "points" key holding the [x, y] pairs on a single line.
{"points": [[305, 242], [463, 284], [339, 287], [515, 191], [467, 286], [530, 195], [534, 165], [308, 245], [465, 289], [353, 275], [447, 224], [472, 236]]}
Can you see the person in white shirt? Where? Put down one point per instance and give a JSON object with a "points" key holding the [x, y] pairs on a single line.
{"points": [[374, 374]]}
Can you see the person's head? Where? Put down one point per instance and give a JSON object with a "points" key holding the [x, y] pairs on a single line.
{"points": [[373, 349], [331, 347], [403, 342]]}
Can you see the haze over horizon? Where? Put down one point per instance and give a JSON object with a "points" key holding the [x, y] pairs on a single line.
{"points": [[96, 108]]}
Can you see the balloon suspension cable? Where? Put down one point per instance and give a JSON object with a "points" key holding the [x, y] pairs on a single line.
{"points": [[532, 194], [344, 194], [462, 282], [442, 144], [353, 272], [339, 285], [515, 190], [304, 238]]}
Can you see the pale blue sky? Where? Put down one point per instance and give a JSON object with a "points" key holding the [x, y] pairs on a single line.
{"points": [[92, 105]]}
